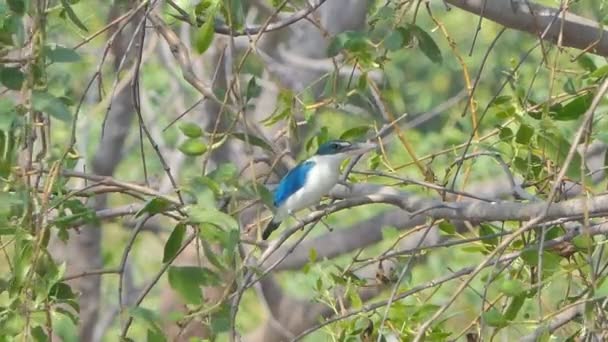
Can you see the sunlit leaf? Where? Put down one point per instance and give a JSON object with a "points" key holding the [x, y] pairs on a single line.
{"points": [[494, 318], [154, 206], [193, 147], [190, 129], [212, 216], [512, 287], [204, 35]]}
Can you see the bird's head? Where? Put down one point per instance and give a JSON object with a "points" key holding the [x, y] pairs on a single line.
{"points": [[343, 148]]}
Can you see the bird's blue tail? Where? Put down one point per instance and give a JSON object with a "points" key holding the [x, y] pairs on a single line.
{"points": [[271, 227]]}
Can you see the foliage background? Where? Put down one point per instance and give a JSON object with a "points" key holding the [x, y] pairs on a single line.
{"points": [[96, 111]]}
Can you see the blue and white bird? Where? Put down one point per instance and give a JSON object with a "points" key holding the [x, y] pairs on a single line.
{"points": [[309, 181]]}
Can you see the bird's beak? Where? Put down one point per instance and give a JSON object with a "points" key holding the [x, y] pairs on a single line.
{"points": [[360, 148]]}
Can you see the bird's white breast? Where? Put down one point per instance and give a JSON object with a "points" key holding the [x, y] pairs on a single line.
{"points": [[321, 178]]}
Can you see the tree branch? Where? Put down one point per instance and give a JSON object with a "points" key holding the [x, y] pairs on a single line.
{"points": [[523, 15]]}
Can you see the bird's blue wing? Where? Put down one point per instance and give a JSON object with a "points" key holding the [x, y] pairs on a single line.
{"points": [[292, 182]]}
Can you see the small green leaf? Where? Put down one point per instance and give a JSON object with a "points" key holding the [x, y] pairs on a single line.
{"points": [[149, 318], [193, 147], [174, 242], [154, 206], [599, 73], [204, 35], [487, 230], [220, 320], [253, 89], [187, 280], [12, 78], [494, 318], [45, 102], [312, 255], [394, 41], [427, 44], [447, 227], [516, 304], [190, 129], [39, 335], [59, 54], [253, 140], [512, 287], [390, 233], [583, 241], [602, 289], [8, 115], [574, 109], [556, 147], [212, 216], [67, 9], [501, 100], [586, 62], [355, 133], [505, 134], [524, 134]]}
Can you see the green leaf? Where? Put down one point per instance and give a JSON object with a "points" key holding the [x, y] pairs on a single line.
{"points": [[174, 242], [586, 62], [17, 6], [253, 89], [353, 41], [312, 255], [12, 78], [212, 216], [220, 320], [485, 230], [555, 147], [394, 41], [427, 44], [574, 109], [602, 289], [45, 102], [512, 287], [516, 304], [39, 335], [583, 241], [355, 133], [193, 147], [494, 318], [59, 54], [67, 9], [154, 206], [599, 73], [149, 318], [187, 280], [551, 261], [190, 129], [524, 134], [204, 35], [447, 227], [390, 233], [253, 140]]}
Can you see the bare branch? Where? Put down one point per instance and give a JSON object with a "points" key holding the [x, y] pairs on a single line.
{"points": [[576, 31]]}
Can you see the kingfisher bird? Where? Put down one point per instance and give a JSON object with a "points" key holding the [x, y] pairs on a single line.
{"points": [[310, 180]]}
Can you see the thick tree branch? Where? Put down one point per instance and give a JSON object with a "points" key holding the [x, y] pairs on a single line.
{"points": [[523, 15]]}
